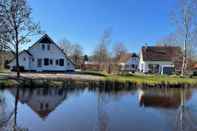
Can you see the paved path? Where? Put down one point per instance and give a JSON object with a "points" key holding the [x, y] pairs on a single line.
{"points": [[57, 76]]}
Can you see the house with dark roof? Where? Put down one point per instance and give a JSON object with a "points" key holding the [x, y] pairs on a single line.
{"points": [[44, 55], [160, 59], [129, 62]]}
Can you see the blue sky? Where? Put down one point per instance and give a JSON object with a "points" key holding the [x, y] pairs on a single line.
{"points": [[133, 22]]}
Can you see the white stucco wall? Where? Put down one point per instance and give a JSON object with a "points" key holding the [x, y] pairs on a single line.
{"points": [[30, 63], [24, 59], [129, 63], [133, 61], [54, 53]]}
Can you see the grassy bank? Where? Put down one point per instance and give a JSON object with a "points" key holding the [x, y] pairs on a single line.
{"points": [[152, 79], [7, 83], [104, 77]]}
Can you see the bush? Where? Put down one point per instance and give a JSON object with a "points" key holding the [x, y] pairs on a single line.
{"points": [[21, 68]]}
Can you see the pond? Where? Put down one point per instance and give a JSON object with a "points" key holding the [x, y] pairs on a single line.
{"points": [[64, 109]]}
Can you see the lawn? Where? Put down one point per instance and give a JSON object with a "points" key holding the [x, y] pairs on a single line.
{"points": [[152, 79], [143, 79]]}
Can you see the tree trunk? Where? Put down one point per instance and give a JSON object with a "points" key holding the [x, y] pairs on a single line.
{"points": [[17, 56], [17, 62], [16, 109], [184, 60], [1, 61]]}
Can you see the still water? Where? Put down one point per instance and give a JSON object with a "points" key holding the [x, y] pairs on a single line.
{"points": [[60, 109]]}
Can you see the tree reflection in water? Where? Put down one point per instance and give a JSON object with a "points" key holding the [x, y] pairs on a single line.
{"points": [[15, 126], [169, 101], [186, 121]]}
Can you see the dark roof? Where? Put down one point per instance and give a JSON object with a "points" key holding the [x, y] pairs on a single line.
{"points": [[46, 40], [160, 53], [127, 56], [28, 52], [134, 55]]}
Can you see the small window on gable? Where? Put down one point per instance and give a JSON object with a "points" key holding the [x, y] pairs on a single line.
{"points": [[48, 46], [33, 59], [24, 59], [68, 64], [43, 47]]}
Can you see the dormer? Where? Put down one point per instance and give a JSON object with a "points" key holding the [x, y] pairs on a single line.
{"points": [[45, 42]]}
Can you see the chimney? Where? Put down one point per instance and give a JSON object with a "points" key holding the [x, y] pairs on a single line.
{"points": [[146, 45]]}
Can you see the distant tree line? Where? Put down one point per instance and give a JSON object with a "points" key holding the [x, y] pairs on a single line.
{"points": [[103, 55]]}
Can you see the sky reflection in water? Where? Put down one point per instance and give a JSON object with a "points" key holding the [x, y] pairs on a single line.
{"points": [[60, 109]]}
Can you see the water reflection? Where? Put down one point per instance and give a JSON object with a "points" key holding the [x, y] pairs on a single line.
{"points": [[42, 101], [184, 118], [163, 98], [6, 112], [54, 109]]}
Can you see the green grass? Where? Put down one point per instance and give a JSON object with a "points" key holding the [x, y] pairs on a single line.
{"points": [[7, 83], [144, 79], [152, 79], [4, 70]]}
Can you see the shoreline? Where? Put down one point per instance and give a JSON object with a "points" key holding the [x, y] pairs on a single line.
{"points": [[10, 79]]}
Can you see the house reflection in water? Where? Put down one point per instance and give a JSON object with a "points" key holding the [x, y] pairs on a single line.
{"points": [[42, 101], [163, 98]]}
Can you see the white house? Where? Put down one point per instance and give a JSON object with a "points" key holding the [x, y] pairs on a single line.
{"points": [[130, 64], [160, 59], [44, 55]]}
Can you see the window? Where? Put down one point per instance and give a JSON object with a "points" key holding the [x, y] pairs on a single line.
{"points": [[43, 46], [41, 106], [51, 62], [61, 63], [46, 61], [39, 62], [46, 105], [57, 62], [33, 59], [48, 47], [24, 59], [68, 64]]}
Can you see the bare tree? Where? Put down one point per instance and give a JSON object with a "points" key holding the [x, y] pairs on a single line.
{"points": [[185, 19], [169, 40], [15, 17], [119, 51], [77, 55], [67, 47], [73, 51], [101, 53]]}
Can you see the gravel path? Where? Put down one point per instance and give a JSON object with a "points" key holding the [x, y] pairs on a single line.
{"points": [[58, 76]]}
